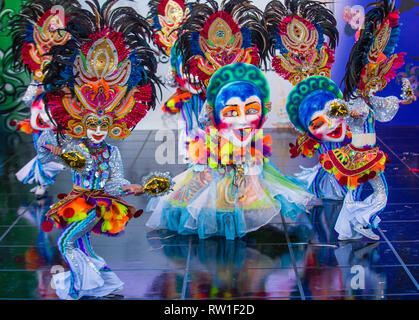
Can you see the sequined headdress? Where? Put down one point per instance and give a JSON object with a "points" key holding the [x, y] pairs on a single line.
{"points": [[106, 74], [371, 62], [303, 38], [167, 16], [35, 29], [214, 36]]}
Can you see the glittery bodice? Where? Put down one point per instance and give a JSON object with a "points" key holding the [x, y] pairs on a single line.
{"points": [[378, 108], [103, 169]]}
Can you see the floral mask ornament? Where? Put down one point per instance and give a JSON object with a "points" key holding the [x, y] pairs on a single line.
{"points": [[168, 16], [379, 69], [305, 35], [107, 95], [46, 33], [303, 52], [221, 42]]}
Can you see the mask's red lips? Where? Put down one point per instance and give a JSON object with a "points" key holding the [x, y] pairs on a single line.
{"points": [[243, 133], [337, 133], [98, 137], [40, 123]]}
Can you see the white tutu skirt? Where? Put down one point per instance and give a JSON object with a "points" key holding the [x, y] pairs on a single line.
{"points": [[206, 202]]}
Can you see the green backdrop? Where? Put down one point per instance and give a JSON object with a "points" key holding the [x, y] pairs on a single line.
{"points": [[13, 83]]}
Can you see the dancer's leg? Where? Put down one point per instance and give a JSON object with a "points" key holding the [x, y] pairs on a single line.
{"points": [[86, 276]]}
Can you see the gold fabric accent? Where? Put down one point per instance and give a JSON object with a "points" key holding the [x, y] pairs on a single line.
{"points": [[73, 159], [157, 185]]}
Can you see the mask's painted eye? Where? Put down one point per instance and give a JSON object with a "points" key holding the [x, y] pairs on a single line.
{"points": [[252, 111], [253, 108], [317, 124], [92, 126], [104, 126], [231, 113]]}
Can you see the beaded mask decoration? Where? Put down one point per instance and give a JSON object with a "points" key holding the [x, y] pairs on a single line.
{"points": [[107, 82], [371, 64], [167, 16], [36, 29], [299, 28], [214, 37], [379, 69]]}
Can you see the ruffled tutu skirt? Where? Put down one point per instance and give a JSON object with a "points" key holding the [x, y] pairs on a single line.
{"points": [[210, 202]]}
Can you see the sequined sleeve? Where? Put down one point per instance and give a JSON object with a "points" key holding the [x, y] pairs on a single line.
{"points": [[67, 144], [359, 106], [44, 155], [385, 108], [116, 179]]}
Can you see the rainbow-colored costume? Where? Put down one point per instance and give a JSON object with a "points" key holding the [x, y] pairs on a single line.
{"points": [[105, 88], [231, 189]]}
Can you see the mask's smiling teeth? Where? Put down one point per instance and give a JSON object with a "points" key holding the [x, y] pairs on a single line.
{"points": [[336, 133]]}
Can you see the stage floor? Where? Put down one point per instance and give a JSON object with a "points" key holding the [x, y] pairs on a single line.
{"points": [[283, 260]]}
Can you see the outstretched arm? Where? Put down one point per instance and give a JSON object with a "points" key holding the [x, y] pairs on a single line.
{"points": [[385, 108], [48, 149], [116, 179]]}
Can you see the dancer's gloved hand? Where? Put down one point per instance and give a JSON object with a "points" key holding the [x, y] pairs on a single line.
{"points": [[412, 99], [54, 149], [355, 114], [134, 188]]}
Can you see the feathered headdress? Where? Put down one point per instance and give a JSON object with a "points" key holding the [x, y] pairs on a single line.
{"points": [[106, 72], [214, 36], [371, 63], [35, 29], [298, 29], [167, 16]]}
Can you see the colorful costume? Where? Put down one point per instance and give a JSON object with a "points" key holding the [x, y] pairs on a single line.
{"points": [[298, 45], [105, 86], [232, 189], [362, 161], [168, 16], [306, 107], [31, 43], [210, 37], [303, 42]]}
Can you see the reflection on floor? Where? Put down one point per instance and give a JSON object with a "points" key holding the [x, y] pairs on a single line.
{"points": [[296, 260]]}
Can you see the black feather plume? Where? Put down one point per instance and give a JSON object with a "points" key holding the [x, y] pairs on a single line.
{"points": [[373, 19]]}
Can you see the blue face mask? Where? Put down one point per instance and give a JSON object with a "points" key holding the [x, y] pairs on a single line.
{"points": [[312, 103], [242, 90]]}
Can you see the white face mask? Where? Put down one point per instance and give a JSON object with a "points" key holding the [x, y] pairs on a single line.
{"points": [[98, 135], [239, 119], [39, 118], [326, 128]]}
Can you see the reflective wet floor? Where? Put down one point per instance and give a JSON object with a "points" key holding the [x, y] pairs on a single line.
{"points": [[284, 260]]}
